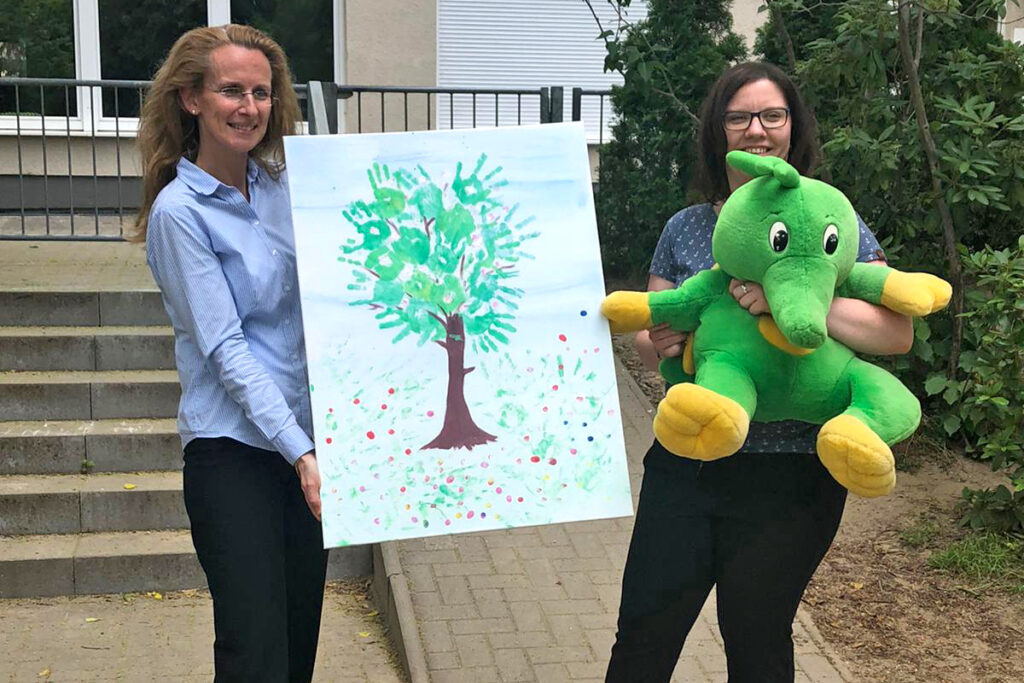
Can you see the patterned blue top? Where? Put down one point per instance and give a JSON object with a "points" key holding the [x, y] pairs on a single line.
{"points": [[683, 250], [226, 268]]}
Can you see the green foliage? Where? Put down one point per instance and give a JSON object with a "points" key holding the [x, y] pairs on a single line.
{"points": [[427, 252], [41, 31], [984, 405], [921, 533], [985, 558], [971, 80], [668, 63], [998, 509]]}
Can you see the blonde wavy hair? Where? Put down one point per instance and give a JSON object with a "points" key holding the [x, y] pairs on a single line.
{"points": [[167, 132]]}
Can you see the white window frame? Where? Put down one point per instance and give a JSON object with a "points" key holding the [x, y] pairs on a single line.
{"points": [[86, 33]]}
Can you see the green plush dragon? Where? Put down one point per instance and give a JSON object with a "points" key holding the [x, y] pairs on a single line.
{"points": [[798, 237]]}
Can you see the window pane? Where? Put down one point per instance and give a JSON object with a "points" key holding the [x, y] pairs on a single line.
{"points": [[304, 28], [37, 41], [135, 36]]}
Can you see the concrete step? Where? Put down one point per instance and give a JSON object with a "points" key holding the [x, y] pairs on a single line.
{"points": [[33, 307], [73, 503], [88, 395], [87, 348], [122, 562], [68, 447]]}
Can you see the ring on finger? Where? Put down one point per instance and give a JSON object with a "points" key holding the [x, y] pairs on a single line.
{"points": [[744, 288]]}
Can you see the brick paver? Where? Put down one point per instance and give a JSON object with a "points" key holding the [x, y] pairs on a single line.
{"points": [[540, 603], [139, 638]]}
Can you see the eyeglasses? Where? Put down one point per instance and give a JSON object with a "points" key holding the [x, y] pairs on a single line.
{"points": [[775, 117], [236, 94]]}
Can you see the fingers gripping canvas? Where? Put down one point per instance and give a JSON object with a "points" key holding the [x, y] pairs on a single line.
{"points": [[461, 375]]}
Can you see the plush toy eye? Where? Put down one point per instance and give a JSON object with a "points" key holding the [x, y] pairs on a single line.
{"points": [[831, 239], [779, 236]]}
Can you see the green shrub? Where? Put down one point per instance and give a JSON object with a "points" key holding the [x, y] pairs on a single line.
{"points": [[985, 558]]}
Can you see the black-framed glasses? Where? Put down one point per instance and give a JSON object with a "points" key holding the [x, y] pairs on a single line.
{"points": [[236, 94], [775, 117]]}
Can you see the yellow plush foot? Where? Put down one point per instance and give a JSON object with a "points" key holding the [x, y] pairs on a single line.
{"points": [[627, 311], [856, 457], [698, 423], [915, 293]]}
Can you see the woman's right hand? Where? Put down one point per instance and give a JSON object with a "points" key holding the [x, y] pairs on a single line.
{"points": [[309, 479], [668, 343]]}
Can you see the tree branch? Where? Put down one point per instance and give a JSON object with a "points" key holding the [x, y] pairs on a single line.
{"points": [[920, 38], [928, 143], [468, 370], [787, 41], [427, 222]]}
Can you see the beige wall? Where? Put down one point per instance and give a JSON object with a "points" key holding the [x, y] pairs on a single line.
{"points": [[746, 20], [1014, 20], [107, 150], [390, 42]]}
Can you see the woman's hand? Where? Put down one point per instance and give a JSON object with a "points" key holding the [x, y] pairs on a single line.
{"points": [[667, 342], [309, 479], [750, 296]]}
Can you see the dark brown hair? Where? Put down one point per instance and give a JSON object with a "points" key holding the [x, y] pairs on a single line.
{"points": [[709, 177], [167, 132]]}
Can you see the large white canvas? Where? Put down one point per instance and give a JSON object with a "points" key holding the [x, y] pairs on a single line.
{"points": [[543, 439]]}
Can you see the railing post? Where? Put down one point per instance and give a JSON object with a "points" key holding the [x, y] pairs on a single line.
{"points": [[557, 98], [577, 104], [323, 108]]}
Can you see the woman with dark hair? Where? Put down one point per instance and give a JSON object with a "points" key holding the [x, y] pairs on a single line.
{"points": [[217, 225], [757, 524]]}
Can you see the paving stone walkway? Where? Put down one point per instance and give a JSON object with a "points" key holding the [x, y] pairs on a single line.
{"points": [[540, 603]]}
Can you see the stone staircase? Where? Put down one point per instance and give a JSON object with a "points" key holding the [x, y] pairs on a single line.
{"points": [[90, 461]]}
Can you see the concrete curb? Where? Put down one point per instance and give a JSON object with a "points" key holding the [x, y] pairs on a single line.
{"points": [[824, 648], [391, 590]]}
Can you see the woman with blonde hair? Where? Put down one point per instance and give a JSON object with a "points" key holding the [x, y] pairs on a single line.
{"points": [[216, 221]]}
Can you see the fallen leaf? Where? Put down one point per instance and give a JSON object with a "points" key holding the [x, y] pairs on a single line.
{"points": [[155, 595], [44, 672], [364, 634], [856, 585], [373, 613], [91, 620], [129, 487]]}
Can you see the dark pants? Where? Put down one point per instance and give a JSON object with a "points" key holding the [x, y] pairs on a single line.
{"points": [[755, 525], [262, 551]]}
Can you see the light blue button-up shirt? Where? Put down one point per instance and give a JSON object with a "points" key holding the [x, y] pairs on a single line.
{"points": [[226, 268]]}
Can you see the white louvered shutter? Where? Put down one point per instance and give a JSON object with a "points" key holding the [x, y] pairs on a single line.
{"points": [[523, 44]]}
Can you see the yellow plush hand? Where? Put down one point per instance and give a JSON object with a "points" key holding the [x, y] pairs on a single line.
{"points": [[915, 293], [627, 311]]}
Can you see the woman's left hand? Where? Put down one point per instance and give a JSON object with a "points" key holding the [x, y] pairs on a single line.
{"points": [[309, 479], [750, 296]]}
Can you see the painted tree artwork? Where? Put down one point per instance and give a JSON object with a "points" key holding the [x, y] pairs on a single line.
{"points": [[461, 377], [438, 263]]}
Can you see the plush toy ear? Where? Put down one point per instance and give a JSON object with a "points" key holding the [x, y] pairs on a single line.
{"points": [[756, 166]]}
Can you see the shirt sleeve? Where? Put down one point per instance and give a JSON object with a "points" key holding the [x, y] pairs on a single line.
{"points": [[869, 249], [663, 262], [197, 295]]}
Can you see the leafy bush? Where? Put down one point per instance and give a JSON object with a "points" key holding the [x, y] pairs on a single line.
{"points": [[668, 63], [985, 404]]}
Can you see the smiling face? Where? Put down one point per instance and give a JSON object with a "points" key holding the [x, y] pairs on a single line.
{"points": [[230, 129], [757, 96]]}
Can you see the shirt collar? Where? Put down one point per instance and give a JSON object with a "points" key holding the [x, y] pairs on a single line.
{"points": [[203, 183]]}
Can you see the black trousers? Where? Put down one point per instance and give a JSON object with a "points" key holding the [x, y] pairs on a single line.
{"points": [[755, 525], [262, 551]]}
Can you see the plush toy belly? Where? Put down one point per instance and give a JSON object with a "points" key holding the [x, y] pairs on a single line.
{"points": [[812, 387]]}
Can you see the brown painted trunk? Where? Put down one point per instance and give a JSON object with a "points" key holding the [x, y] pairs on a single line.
{"points": [[459, 430]]}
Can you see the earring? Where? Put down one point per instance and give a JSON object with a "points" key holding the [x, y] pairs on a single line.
{"points": [[195, 112]]}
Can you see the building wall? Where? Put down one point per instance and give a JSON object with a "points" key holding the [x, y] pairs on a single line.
{"points": [[389, 42], [1013, 24]]}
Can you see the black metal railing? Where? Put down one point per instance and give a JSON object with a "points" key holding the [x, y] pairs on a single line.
{"points": [[69, 169]]}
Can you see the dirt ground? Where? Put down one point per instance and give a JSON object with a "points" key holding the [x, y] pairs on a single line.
{"points": [[888, 614]]}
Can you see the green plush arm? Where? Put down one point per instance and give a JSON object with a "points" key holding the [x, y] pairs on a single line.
{"points": [[907, 293], [681, 307]]}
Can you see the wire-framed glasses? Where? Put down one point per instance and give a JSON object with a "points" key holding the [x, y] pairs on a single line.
{"points": [[775, 117], [236, 94]]}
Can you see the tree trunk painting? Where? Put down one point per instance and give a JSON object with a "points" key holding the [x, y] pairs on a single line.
{"points": [[459, 430]]}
